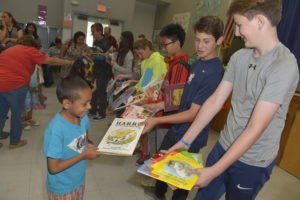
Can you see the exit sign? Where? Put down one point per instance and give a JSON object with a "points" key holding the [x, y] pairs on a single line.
{"points": [[101, 8]]}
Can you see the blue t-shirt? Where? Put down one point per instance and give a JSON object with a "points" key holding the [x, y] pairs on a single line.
{"points": [[204, 78], [64, 140]]}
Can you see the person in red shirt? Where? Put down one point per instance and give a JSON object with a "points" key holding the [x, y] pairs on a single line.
{"points": [[172, 39], [112, 40], [17, 64]]}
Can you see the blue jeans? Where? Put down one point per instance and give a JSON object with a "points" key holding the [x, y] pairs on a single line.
{"points": [[14, 100], [239, 181]]}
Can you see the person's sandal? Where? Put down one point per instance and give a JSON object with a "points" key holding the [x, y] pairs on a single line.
{"points": [[20, 144], [4, 135]]}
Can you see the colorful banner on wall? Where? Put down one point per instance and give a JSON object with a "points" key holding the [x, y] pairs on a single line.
{"points": [[68, 20], [42, 15]]}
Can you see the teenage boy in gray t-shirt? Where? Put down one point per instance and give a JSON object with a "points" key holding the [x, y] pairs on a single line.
{"points": [[262, 79]]}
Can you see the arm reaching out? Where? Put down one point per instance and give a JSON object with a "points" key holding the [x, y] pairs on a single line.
{"points": [[255, 128], [58, 61], [208, 110], [181, 117]]}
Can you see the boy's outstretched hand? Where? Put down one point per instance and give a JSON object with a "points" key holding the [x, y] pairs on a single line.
{"points": [[91, 152], [206, 175], [150, 123]]}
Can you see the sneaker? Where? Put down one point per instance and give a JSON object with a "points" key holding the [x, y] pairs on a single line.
{"points": [[33, 123], [4, 135], [20, 144], [99, 117], [27, 127], [151, 193]]}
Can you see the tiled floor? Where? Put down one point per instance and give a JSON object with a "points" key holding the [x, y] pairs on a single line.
{"points": [[22, 171]]}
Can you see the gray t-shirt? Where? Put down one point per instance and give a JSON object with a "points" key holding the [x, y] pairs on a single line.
{"points": [[272, 77]]}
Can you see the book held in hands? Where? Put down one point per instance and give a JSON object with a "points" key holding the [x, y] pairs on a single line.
{"points": [[173, 169], [122, 136], [137, 112]]}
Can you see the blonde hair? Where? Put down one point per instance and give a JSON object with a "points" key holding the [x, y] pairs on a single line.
{"points": [[142, 44]]}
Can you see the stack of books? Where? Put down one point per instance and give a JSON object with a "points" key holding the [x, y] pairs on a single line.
{"points": [[136, 112], [173, 168]]}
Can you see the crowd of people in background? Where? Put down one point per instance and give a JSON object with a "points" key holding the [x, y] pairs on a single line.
{"points": [[244, 154]]}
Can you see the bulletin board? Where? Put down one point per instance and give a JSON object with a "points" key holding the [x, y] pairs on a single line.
{"points": [[206, 7], [183, 19]]}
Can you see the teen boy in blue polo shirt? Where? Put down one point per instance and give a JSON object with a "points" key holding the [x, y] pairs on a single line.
{"points": [[205, 75]]}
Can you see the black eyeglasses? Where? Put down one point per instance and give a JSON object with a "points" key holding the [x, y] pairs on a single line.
{"points": [[165, 45]]}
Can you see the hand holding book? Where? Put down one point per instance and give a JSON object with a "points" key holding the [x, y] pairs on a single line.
{"points": [[150, 123], [207, 175], [91, 153]]}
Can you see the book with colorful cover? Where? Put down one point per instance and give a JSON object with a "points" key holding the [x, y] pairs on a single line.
{"points": [[173, 169], [137, 99], [172, 96], [122, 136], [122, 99], [152, 90], [136, 112]]}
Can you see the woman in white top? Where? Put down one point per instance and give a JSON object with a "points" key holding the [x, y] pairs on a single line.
{"points": [[124, 60]]}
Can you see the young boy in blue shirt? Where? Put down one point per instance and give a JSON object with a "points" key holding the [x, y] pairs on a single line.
{"points": [[205, 75], [65, 141], [262, 79]]}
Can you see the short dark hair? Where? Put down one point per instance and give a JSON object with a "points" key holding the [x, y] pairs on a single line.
{"points": [[98, 27], [211, 25], [271, 9], [174, 32], [28, 40], [57, 41], [77, 35], [69, 88]]}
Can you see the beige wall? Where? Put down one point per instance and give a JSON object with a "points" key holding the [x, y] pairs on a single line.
{"points": [[27, 10], [165, 14]]}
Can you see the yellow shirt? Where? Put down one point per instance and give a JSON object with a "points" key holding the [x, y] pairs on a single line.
{"points": [[152, 68]]}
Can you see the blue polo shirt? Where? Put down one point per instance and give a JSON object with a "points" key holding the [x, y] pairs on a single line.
{"points": [[204, 78], [64, 140]]}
